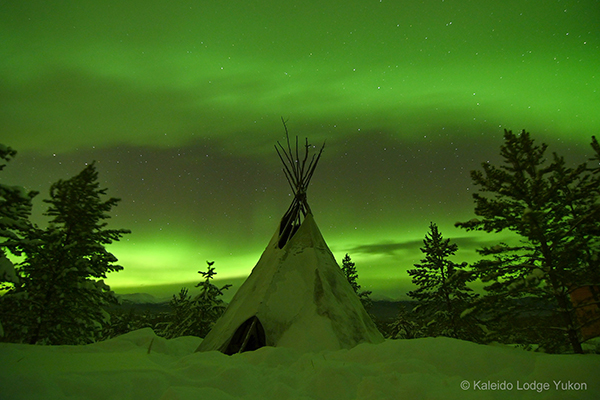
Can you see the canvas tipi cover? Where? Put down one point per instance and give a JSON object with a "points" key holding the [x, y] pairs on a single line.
{"points": [[296, 296]]}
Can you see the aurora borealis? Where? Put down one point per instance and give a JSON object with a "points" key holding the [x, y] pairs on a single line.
{"points": [[180, 104]]}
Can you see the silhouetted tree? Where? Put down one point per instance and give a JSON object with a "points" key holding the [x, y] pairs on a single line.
{"points": [[442, 292], [554, 209], [62, 293], [196, 316], [404, 326], [349, 269], [15, 210]]}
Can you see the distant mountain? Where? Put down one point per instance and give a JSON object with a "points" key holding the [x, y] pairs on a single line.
{"points": [[142, 303], [138, 298]]}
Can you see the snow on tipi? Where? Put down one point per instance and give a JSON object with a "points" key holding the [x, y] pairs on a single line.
{"points": [[296, 296]]}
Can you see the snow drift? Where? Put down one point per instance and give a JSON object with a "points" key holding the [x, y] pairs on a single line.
{"points": [[141, 365]]}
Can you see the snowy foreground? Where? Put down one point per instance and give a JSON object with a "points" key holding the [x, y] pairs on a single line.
{"points": [[141, 365]]}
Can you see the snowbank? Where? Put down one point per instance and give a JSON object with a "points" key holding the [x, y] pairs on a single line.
{"points": [[141, 365]]}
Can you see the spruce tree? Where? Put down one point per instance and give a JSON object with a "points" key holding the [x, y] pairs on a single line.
{"points": [[196, 316], [554, 210], [181, 319], [404, 326], [62, 294], [442, 294], [15, 210], [590, 219], [349, 270]]}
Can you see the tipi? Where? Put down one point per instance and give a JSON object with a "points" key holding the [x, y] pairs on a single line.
{"points": [[296, 296]]}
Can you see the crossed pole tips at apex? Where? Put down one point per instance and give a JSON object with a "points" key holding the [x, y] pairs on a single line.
{"points": [[298, 173]]}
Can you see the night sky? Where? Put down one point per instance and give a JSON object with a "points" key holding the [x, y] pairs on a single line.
{"points": [[180, 103]]}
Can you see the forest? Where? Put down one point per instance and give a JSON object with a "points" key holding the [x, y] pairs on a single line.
{"points": [[540, 293]]}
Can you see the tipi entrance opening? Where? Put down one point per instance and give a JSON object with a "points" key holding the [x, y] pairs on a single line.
{"points": [[249, 336]]}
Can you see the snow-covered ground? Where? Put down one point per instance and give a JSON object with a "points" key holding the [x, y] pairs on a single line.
{"points": [[141, 365]]}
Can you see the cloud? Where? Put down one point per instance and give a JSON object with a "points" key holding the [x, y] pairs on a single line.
{"points": [[394, 248], [386, 248], [68, 109], [473, 243]]}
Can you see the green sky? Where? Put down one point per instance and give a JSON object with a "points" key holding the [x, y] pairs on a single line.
{"points": [[180, 104]]}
